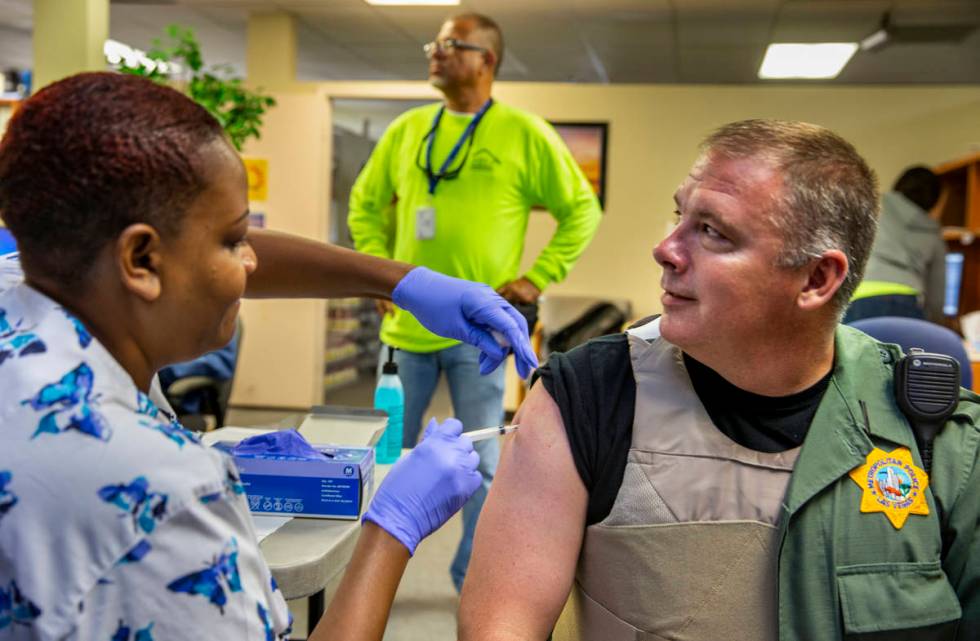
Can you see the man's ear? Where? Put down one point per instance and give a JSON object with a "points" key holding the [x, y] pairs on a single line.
{"points": [[139, 256], [490, 58], [824, 277]]}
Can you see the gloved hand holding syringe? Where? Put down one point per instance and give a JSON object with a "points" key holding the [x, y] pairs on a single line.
{"points": [[431, 482], [500, 430], [489, 432]]}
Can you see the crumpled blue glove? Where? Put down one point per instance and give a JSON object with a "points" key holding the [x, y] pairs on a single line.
{"points": [[428, 485], [466, 311]]}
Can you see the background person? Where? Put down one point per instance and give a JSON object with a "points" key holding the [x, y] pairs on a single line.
{"points": [[906, 274], [710, 475], [463, 176], [129, 209]]}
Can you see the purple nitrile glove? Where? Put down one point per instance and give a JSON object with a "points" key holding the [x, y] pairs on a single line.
{"points": [[428, 485], [466, 311]]}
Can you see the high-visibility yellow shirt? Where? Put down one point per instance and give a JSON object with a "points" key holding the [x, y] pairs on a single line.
{"points": [[515, 161]]}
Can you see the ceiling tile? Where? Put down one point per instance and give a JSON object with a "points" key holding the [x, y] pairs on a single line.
{"points": [[642, 75], [828, 20], [555, 40], [646, 64], [720, 64], [569, 66], [723, 6], [731, 30], [354, 26], [622, 10], [628, 33], [933, 10], [639, 54], [936, 63], [391, 54], [220, 31], [418, 27]]}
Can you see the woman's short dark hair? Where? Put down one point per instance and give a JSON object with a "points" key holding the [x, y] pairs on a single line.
{"points": [[88, 156], [920, 185]]}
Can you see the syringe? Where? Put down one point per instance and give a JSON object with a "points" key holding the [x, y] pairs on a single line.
{"points": [[489, 432]]}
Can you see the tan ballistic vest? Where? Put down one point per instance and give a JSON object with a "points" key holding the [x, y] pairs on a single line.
{"points": [[689, 550]]}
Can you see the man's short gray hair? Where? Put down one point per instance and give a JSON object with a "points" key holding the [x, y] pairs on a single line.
{"points": [[491, 30], [830, 195]]}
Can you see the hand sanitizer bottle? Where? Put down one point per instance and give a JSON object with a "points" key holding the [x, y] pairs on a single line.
{"points": [[390, 397]]}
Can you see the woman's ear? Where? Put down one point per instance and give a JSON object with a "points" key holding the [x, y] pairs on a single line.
{"points": [[824, 277], [139, 256]]}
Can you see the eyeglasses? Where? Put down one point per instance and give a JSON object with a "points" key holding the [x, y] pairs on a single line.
{"points": [[449, 45]]}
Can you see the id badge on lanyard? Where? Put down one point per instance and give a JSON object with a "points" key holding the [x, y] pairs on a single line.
{"points": [[425, 215], [425, 222]]}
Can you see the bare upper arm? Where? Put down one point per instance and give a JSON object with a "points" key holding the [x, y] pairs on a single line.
{"points": [[529, 534]]}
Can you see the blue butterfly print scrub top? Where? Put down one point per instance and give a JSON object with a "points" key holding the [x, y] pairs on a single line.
{"points": [[115, 522]]}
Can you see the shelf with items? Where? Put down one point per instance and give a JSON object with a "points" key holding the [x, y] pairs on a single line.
{"points": [[352, 344], [341, 378], [959, 205], [958, 211], [340, 353]]}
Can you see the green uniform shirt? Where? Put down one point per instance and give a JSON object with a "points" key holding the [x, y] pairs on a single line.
{"points": [[844, 574], [516, 161]]}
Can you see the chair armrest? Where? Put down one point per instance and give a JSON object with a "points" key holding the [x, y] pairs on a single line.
{"points": [[182, 386]]}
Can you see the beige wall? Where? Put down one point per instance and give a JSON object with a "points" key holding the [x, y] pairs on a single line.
{"points": [[282, 352], [654, 132], [68, 36]]}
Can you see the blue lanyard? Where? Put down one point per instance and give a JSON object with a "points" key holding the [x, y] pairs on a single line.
{"points": [[470, 128]]}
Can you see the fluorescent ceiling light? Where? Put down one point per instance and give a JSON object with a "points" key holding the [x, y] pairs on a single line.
{"points": [[880, 37], [116, 52], [413, 3], [791, 60], [875, 40]]}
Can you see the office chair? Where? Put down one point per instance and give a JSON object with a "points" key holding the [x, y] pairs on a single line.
{"points": [[203, 385], [7, 242], [913, 332]]}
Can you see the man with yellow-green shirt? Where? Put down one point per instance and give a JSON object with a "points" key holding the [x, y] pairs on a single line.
{"points": [[459, 179]]}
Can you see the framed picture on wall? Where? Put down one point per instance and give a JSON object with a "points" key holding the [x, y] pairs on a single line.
{"points": [[587, 142]]}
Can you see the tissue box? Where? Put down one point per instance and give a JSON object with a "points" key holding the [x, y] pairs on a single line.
{"points": [[337, 487]]}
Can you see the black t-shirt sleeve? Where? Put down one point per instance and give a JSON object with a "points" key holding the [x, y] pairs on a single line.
{"points": [[595, 392]]}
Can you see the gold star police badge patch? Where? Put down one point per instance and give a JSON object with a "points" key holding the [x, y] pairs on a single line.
{"points": [[892, 484]]}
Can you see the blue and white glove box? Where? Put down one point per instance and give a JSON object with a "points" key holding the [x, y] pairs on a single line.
{"points": [[335, 487]]}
